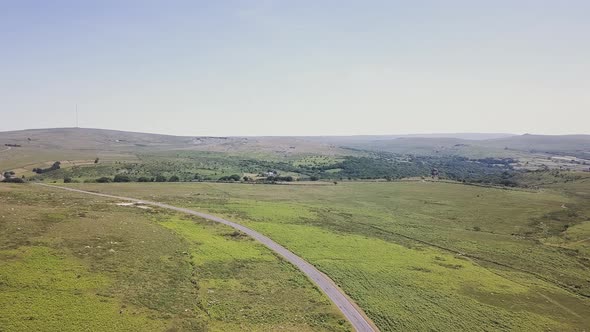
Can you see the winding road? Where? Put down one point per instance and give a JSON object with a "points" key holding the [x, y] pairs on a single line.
{"points": [[351, 311]]}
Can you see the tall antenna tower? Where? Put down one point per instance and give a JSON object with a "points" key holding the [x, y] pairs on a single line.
{"points": [[77, 116]]}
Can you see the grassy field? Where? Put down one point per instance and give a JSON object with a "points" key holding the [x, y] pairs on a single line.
{"points": [[73, 263], [415, 255], [423, 255]]}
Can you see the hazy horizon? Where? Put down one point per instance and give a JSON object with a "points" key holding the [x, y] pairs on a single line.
{"points": [[425, 134], [277, 68]]}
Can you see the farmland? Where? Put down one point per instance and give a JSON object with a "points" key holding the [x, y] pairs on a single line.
{"points": [[422, 255]]}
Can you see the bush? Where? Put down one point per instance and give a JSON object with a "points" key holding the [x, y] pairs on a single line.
{"points": [[160, 178], [144, 179], [67, 180], [121, 178], [13, 180], [233, 177], [56, 165], [9, 174], [280, 178], [314, 178], [174, 178], [103, 179]]}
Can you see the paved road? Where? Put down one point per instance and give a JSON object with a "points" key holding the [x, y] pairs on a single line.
{"points": [[352, 312]]}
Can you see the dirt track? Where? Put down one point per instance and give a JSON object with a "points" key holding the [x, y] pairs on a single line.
{"points": [[350, 310]]}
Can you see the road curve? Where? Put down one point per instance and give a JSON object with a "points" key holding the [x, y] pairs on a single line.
{"points": [[350, 310]]}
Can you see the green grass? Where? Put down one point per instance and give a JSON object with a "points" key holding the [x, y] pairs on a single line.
{"points": [[69, 262], [422, 255], [242, 287], [44, 290]]}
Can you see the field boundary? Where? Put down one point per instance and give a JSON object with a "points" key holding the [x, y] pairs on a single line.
{"points": [[353, 313]]}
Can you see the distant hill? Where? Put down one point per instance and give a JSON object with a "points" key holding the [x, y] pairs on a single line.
{"points": [[573, 145], [85, 138], [558, 144], [88, 142], [85, 143]]}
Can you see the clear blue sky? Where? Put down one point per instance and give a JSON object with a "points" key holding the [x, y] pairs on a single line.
{"points": [[296, 67]]}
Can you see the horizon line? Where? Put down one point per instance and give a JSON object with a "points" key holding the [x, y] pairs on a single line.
{"points": [[315, 135]]}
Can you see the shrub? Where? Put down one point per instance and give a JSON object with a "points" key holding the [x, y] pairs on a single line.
{"points": [[9, 174], [174, 178], [121, 178], [13, 180], [314, 178], [233, 177], [144, 179], [67, 180], [160, 178], [56, 165], [280, 178], [103, 179]]}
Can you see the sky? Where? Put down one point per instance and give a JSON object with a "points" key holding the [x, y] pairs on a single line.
{"points": [[232, 68]]}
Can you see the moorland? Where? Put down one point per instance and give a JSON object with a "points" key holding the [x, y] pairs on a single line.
{"points": [[465, 232]]}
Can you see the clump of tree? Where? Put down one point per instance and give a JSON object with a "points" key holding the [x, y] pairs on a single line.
{"points": [[230, 178], [280, 178], [144, 179], [497, 161], [121, 178], [9, 177], [160, 178], [174, 178], [104, 179], [56, 165], [13, 180], [9, 174]]}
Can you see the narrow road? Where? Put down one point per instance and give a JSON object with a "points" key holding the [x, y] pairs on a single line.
{"points": [[351, 311]]}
